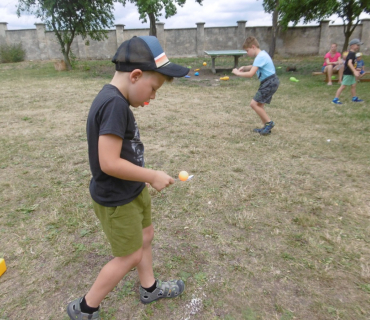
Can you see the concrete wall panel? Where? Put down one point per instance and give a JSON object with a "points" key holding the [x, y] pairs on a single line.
{"points": [[306, 40]]}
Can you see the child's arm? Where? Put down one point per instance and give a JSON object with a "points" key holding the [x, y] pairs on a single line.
{"points": [[245, 68], [111, 163], [350, 65], [328, 62], [245, 74]]}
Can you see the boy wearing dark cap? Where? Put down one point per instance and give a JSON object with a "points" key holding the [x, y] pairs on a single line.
{"points": [[118, 186], [350, 73]]}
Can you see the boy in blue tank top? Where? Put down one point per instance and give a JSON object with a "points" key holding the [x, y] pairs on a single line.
{"points": [[265, 70]]}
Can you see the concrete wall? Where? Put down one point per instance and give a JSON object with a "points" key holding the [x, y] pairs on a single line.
{"points": [[307, 40]]}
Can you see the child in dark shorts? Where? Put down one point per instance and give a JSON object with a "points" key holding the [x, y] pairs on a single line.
{"points": [[118, 186], [265, 69]]}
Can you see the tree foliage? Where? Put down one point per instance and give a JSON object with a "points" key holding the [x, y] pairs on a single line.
{"points": [[152, 9], [70, 18], [272, 6], [294, 11]]}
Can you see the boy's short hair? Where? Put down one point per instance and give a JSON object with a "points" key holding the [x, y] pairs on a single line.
{"points": [[146, 54], [250, 41], [167, 78]]}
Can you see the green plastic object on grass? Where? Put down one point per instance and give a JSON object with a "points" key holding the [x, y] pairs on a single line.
{"points": [[293, 79]]}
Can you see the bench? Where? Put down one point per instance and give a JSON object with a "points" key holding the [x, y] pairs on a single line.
{"points": [[363, 79], [235, 53]]}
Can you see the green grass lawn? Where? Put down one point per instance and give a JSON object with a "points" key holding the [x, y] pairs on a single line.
{"points": [[273, 227]]}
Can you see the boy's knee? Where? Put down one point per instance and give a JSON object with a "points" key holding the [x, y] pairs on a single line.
{"points": [[136, 257], [133, 259], [253, 104], [256, 105], [148, 235]]}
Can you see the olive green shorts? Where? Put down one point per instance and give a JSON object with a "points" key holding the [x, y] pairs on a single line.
{"points": [[124, 225]]}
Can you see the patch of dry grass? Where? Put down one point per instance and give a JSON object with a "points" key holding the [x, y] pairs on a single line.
{"points": [[270, 227]]}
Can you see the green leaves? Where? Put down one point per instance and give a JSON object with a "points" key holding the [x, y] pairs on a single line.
{"points": [[313, 10], [153, 8], [70, 18]]}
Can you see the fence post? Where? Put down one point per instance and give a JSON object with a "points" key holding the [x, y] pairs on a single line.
{"points": [[365, 36], [240, 33], [3, 28], [200, 39], [41, 38], [160, 34], [324, 43], [119, 34]]}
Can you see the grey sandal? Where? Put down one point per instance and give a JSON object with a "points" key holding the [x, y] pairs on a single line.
{"points": [[74, 311], [165, 289]]}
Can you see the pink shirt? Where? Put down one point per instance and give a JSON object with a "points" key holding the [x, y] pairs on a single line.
{"points": [[331, 58]]}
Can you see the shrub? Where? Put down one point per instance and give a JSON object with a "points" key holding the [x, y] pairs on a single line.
{"points": [[12, 53]]}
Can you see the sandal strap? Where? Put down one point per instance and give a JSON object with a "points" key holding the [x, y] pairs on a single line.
{"points": [[164, 289]]}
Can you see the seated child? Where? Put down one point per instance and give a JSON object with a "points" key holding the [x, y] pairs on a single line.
{"points": [[360, 64]]}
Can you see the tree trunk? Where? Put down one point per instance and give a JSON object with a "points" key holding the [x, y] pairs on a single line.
{"points": [[275, 28], [348, 30], [63, 49], [67, 61], [347, 33], [153, 28]]}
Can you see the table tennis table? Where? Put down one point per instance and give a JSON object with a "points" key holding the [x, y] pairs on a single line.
{"points": [[235, 53]]}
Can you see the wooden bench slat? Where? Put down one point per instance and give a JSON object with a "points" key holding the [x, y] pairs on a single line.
{"points": [[335, 80]]}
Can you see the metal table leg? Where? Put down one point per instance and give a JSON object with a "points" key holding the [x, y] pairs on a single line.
{"points": [[213, 65], [236, 60]]}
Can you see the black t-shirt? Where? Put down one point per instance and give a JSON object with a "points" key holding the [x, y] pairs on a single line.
{"points": [[110, 113], [351, 56]]}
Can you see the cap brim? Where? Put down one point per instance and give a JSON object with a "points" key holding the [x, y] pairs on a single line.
{"points": [[358, 43], [173, 70]]}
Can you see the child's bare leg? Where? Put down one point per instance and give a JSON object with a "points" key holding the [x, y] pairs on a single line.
{"points": [[339, 91], [111, 274], [340, 73], [259, 109], [353, 90], [145, 267]]}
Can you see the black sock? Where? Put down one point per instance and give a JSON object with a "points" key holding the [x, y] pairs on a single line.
{"points": [[152, 288], [85, 308]]}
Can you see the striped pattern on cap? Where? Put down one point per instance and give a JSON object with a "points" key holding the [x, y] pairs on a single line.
{"points": [[159, 55]]}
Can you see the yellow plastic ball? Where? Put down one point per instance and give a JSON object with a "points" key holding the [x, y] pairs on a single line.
{"points": [[183, 176], [204, 63]]}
